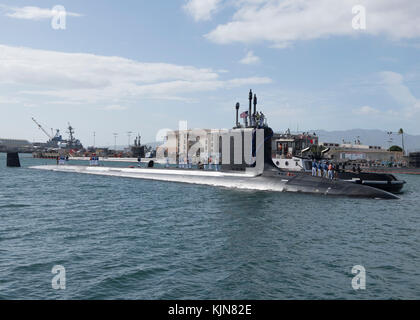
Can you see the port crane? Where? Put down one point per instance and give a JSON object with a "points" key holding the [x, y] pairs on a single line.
{"points": [[53, 138], [41, 128]]}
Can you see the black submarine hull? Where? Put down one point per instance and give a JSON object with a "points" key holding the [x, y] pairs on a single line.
{"points": [[386, 182], [383, 181], [304, 183]]}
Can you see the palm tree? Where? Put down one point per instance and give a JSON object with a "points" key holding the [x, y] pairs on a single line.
{"points": [[401, 132]]}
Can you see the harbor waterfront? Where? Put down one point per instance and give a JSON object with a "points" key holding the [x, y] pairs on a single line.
{"points": [[140, 239]]}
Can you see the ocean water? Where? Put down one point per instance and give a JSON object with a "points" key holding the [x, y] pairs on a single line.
{"points": [[121, 238]]}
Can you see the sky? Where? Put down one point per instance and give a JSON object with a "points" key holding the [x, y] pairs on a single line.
{"points": [[143, 66]]}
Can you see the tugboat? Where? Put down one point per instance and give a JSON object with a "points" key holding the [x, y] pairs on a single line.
{"points": [[255, 169], [295, 154]]}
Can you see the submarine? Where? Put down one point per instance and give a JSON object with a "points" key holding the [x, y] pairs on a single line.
{"points": [[257, 172]]}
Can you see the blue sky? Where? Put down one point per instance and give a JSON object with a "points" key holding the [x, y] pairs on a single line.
{"points": [[144, 65]]}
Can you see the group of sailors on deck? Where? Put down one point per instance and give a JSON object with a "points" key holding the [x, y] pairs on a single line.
{"points": [[94, 160], [62, 160], [258, 120], [323, 169]]}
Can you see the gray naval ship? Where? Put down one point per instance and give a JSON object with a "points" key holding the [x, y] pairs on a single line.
{"points": [[254, 171]]}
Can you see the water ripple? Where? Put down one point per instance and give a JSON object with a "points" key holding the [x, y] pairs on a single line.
{"points": [[134, 239]]}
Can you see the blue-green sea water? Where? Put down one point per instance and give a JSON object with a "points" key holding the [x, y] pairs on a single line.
{"points": [[124, 238]]}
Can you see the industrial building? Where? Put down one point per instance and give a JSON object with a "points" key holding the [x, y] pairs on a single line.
{"points": [[414, 160], [359, 152], [15, 144]]}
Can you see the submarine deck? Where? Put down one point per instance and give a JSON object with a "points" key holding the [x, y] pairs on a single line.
{"points": [[270, 180]]}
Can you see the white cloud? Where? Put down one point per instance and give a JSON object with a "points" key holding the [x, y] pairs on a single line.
{"points": [[87, 78], [283, 22], [365, 111], [34, 13], [115, 107], [8, 100], [394, 84], [202, 9], [250, 58], [238, 82]]}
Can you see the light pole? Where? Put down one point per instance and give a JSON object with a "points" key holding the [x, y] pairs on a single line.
{"points": [[401, 132], [129, 137], [94, 138], [389, 138], [115, 141]]}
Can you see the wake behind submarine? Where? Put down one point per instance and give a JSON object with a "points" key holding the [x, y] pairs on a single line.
{"points": [[261, 174]]}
